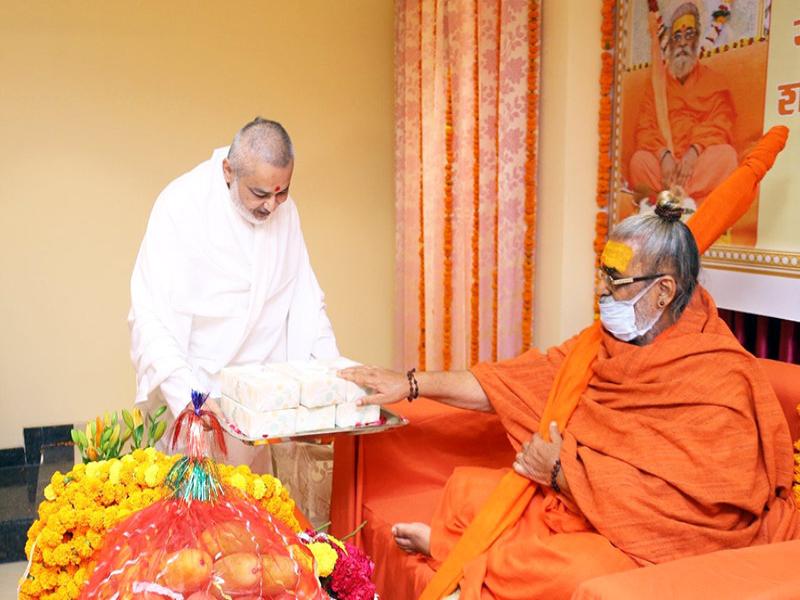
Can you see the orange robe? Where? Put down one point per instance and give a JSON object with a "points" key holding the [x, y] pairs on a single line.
{"points": [[676, 448], [701, 111]]}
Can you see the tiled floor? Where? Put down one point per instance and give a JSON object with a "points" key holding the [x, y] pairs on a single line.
{"points": [[9, 576]]}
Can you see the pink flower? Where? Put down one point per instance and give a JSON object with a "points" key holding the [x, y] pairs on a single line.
{"points": [[352, 577]]}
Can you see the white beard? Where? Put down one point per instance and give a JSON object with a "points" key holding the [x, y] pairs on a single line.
{"points": [[681, 65], [243, 211]]}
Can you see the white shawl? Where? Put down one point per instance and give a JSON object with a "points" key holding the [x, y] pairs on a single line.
{"points": [[209, 289]]}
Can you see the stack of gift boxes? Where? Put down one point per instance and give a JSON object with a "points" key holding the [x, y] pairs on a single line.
{"points": [[285, 399]]}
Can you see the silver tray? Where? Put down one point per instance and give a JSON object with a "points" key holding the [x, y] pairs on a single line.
{"points": [[389, 420]]}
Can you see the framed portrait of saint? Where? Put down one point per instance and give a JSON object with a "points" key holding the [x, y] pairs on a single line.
{"points": [[696, 83]]}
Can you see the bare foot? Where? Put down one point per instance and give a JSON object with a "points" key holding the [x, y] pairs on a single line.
{"points": [[413, 537]]}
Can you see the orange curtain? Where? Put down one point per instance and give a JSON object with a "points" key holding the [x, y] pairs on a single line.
{"points": [[467, 76]]}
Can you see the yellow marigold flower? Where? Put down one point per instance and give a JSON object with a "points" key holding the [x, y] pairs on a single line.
{"points": [[325, 557], [151, 454], [96, 520], [93, 470], [259, 488], [151, 474], [114, 472], [49, 492], [238, 481]]}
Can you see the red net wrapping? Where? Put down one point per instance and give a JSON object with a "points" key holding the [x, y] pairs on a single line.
{"points": [[204, 542], [230, 549]]}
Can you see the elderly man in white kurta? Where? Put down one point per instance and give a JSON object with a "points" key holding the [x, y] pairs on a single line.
{"points": [[223, 276]]}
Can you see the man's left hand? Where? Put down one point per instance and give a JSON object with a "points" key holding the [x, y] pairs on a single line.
{"points": [[536, 458], [686, 166]]}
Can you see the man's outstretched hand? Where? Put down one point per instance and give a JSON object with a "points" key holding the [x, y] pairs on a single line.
{"points": [[386, 386]]}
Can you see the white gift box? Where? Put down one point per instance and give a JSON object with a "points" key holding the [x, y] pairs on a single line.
{"points": [[350, 414], [261, 389], [352, 392], [282, 399], [319, 385], [256, 424], [315, 419]]}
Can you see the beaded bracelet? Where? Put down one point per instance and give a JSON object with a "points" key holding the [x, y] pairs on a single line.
{"points": [[413, 386], [554, 476]]}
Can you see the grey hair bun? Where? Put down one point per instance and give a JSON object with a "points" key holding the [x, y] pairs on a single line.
{"points": [[668, 206]]}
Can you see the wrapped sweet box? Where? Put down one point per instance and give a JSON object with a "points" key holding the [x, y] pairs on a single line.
{"points": [[283, 399], [319, 385], [352, 415], [256, 424], [261, 389], [316, 419]]}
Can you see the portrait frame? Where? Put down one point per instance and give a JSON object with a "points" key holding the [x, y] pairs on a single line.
{"points": [[731, 253]]}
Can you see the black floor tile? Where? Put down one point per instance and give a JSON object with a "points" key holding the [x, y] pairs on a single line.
{"points": [[12, 539], [12, 457]]}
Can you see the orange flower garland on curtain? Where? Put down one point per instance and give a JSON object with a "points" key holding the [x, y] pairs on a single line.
{"points": [[466, 118], [474, 347], [530, 176], [422, 362], [604, 150], [447, 355]]}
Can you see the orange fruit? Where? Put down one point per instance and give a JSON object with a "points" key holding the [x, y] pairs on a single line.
{"points": [[186, 570], [278, 574], [226, 538], [238, 573]]}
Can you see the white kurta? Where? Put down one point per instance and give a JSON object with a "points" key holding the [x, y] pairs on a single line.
{"points": [[211, 290]]}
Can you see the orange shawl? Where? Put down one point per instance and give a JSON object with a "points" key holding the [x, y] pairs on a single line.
{"points": [[675, 448], [720, 210]]}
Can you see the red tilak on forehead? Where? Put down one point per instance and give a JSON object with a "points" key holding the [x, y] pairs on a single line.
{"points": [[277, 188]]}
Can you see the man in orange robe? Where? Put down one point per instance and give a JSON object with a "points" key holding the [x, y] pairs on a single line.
{"points": [[701, 116], [677, 446]]}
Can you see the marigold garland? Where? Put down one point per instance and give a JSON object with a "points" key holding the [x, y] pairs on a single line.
{"points": [[474, 340], [421, 292], [604, 128], [496, 266], [796, 486], [530, 175], [447, 333], [81, 506]]}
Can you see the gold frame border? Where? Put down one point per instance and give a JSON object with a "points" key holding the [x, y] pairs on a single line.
{"points": [[741, 259]]}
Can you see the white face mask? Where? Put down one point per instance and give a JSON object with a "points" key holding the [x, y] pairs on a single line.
{"points": [[619, 316]]}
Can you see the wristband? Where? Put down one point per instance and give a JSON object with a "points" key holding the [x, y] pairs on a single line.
{"points": [[413, 386], [554, 476]]}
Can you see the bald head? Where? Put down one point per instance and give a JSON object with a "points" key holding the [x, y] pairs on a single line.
{"points": [[260, 141]]}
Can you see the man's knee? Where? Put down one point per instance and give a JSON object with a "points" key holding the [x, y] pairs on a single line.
{"points": [[723, 156], [644, 168]]}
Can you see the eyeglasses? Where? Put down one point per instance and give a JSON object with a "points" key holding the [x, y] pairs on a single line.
{"points": [[623, 281], [684, 34]]}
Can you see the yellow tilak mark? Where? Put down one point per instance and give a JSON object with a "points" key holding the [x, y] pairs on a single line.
{"points": [[616, 255], [684, 21]]}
